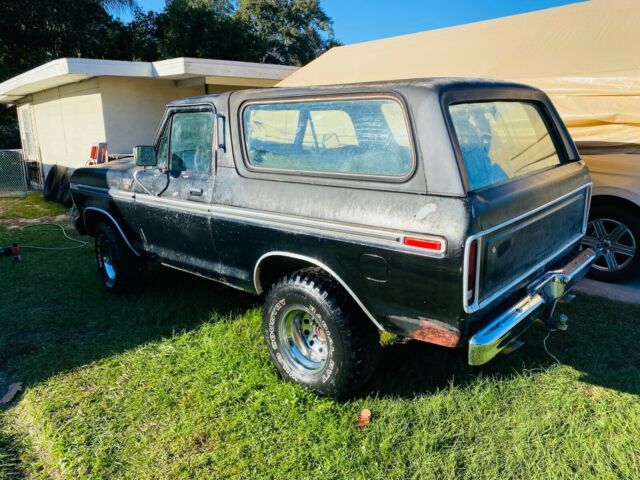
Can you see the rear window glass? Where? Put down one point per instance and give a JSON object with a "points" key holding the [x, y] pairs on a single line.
{"points": [[501, 141], [352, 136]]}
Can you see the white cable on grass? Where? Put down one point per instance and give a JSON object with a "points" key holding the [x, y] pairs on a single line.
{"points": [[544, 343], [64, 232]]}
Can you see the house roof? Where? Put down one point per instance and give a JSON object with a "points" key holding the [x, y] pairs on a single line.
{"points": [[185, 71]]}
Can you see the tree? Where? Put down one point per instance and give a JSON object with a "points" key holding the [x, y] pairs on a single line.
{"points": [[145, 36], [288, 31], [202, 28], [33, 32]]}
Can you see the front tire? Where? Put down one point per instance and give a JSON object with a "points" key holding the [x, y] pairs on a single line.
{"points": [[120, 270], [616, 230], [317, 337]]}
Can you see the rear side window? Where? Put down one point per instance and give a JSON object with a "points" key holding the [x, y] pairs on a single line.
{"points": [[501, 141], [358, 136]]}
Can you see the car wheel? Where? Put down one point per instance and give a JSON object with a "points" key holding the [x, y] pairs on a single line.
{"points": [[64, 189], [121, 271], [317, 337], [50, 187], [616, 231]]}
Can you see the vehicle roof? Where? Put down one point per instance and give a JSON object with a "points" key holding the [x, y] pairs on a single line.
{"points": [[435, 85]]}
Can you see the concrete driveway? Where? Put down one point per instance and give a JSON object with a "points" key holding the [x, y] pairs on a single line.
{"points": [[623, 292]]}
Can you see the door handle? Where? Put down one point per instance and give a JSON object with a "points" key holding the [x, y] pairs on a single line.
{"points": [[196, 192]]}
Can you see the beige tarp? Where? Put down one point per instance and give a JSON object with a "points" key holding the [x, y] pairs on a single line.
{"points": [[586, 56]]}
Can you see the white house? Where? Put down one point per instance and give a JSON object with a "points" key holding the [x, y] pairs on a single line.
{"points": [[67, 105]]}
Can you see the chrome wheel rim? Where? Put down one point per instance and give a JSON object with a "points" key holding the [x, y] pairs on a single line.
{"points": [[106, 261], [303, 340], [616, 240]]}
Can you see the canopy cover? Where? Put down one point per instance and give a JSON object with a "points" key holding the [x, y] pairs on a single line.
{"points": [[585, 55]]}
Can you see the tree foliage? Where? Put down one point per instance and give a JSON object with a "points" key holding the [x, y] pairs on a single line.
{"points": [[288, 31], [33, 32]]}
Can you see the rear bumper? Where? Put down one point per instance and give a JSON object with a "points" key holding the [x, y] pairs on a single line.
{"points": [[544, 292]]}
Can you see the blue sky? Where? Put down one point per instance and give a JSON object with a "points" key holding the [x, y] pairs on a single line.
{"points": [[362, 20]]}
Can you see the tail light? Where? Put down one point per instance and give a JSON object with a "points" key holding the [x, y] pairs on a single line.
{"points": [[433, 244], [94, 153], [471, 272]]}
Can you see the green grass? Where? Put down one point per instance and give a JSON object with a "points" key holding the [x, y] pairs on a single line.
{"points": [[176, 383], [33, 206]]}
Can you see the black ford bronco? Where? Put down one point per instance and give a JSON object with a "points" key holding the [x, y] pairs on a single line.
{"points": [[447, 211]]}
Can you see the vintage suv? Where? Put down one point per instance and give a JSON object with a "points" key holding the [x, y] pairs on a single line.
{"points": [[447, 211]]}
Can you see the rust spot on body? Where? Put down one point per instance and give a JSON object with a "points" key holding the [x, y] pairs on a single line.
{"points": [[437, 333]]}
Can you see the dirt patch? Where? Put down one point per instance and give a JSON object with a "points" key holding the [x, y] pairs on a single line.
{"points": [[14, 223]]}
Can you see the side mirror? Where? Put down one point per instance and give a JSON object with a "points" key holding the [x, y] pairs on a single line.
{"points": [[145, 156]]}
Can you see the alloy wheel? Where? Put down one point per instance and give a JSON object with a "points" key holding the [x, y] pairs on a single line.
{"points": [[616, 240]]}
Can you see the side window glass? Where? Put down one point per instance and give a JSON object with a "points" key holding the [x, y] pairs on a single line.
{"points": [[191, 142], [354, 136], [163, 146]]}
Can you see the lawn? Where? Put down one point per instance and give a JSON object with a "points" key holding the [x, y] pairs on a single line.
{"points": [[176, 383]]}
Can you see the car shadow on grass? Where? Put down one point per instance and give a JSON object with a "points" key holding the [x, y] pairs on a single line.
{"points": [[56, 316], [601, 345]]}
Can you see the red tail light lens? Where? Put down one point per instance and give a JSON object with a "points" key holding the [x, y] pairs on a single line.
{"points": [[426, 244], [471, 272], [94, 152]]}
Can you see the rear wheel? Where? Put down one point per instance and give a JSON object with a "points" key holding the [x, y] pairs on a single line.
{"points": [[316, 337], [616, 230], [121, 271]]}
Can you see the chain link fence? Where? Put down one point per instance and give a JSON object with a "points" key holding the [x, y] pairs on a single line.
{"points": [[13, 181]]}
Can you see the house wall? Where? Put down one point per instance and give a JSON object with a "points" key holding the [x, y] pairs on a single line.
{"points": [[123, 112], [67, 120], [133, 108]]}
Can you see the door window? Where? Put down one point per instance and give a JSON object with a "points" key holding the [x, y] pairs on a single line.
{"points": [[191, 142]]}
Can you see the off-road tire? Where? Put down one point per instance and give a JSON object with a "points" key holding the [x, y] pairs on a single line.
{"points": [[127, 272], [51, 183], [64, 190], [352, 341], [629, 218]]}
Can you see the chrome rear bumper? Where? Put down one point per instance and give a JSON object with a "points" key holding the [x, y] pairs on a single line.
{"points": [[543, 292]]}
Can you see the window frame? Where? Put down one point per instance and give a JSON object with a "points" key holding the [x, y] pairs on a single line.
{"points": [[491, 95], [165, 130], [320, 174]]}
